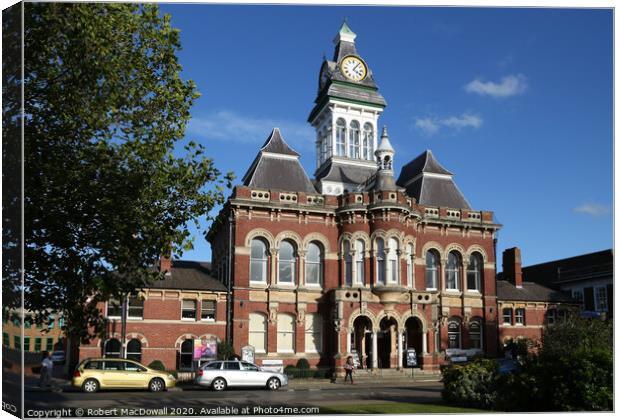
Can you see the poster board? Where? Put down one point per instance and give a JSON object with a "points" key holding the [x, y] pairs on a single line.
{"points": [[356, 359], [247, 354], [205, 349], [412, 358]]}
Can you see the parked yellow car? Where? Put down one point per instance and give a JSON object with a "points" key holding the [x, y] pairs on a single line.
{"points": [[107, 373]]}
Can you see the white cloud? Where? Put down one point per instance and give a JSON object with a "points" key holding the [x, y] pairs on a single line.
{"points": [[509, 86], [431, 125], [229, 126], [427, 125], [592, 209]]}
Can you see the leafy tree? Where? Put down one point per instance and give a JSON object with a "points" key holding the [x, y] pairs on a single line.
{"points": [[225, 350], [109, 182]]}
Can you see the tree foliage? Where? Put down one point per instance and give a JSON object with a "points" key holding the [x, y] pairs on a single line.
{"points": [[110, 183]]}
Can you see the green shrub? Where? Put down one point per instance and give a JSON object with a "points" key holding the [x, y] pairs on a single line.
{"points": [[224, 350], [303, 364], [157, 365], [471, 385]]}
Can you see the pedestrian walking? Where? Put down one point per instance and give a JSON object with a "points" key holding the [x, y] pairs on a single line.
{"points": [[348, 369], [46, 370]]}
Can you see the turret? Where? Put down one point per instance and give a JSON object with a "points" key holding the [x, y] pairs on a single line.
{"points": [[385, 162]]}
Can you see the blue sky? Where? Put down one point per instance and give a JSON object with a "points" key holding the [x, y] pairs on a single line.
{"points": [[517, 103]]}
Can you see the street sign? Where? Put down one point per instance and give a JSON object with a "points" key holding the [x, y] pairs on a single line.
{"points": [[412, 358]]}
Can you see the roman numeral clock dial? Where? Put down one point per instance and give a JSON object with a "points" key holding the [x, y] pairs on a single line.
{"points": [[353, 68]]}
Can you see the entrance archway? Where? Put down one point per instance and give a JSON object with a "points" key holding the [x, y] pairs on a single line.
{"points": [[413, 336], [386, 343], [361, 340]]}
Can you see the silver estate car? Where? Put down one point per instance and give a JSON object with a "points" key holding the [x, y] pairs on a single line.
{"points": [[222, 374]]}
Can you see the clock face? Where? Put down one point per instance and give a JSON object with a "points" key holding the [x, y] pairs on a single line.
{"points": [[353, 68]]}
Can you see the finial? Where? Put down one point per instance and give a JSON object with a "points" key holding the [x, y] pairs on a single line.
{"points": [[384, 132]]}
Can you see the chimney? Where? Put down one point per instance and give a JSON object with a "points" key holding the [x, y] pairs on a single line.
{"points": [[165, 265], [511, 262]]}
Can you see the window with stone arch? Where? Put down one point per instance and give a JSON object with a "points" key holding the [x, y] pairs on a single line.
{"points": [[454, 333], [432, 269], [380, 257], [475, 333], [341, 132], [359, 261], [354, 140], [314, 333], [286, 263], [453, 270], [258, 260], [348, 262], [392, 257], [474, 272], [314, 264], [258, 332], [368, 140], [410, 265], [112, 348], [286, 333], [134, 350]]}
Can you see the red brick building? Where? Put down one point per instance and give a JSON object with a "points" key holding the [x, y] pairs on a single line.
{"points": [[354, 261]]}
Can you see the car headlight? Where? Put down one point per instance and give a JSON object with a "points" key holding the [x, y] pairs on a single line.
{"points": [[171, 377]]}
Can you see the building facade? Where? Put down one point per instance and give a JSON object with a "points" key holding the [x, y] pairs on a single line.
{"points": [[355, 260]]}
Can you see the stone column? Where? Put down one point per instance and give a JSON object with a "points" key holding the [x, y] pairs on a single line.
{"points": [[424, 348], [374, 349], [348, 341], [301, 276], [399, 345], [273, 275]]}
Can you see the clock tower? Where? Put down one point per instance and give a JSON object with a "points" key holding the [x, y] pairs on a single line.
{"points": [[345, 116]]}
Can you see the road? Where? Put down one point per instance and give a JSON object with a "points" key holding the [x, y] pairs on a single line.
{"points": [[192, 401]]}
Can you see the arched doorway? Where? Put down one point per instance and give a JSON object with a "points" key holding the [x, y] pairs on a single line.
{"points": [[414, 331], [361, 340], [387, 344]]}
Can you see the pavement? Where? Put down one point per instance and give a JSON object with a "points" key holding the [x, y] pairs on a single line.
{"points": [[31, 384]]}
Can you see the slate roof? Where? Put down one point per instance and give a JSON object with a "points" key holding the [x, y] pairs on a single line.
{"points": [[581, 267], [530, 292], [338, 172], [430, 183], [280, 169], [190, 275]]}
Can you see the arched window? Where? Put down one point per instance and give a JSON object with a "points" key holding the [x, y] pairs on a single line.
{"points": [[474, 272], [475, 334], [186, 355], [432, 269], [380, 261], [112, 348], [319, 147], [258, 332], [286, 333], [328, 141], [453, 268], [359, 261], [409, 265], [367, 144], [392, 261], [134, 350], [286, 263], [314, 267], [454, 333], [348, 263], [341, 132], [258, 261], [323, 147], [314, 337], [354, 140]]}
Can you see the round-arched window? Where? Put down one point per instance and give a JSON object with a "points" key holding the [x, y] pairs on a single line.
{"points": [[134, 350], [314, 259], [432, 267], [454, 333], [286, 263], [258, 261], [112, 348], [453, 269]]}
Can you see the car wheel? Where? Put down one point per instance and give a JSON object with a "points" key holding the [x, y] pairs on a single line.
{"points": [[219, 384], [90, 386], [156, 385], [273, 384]]}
